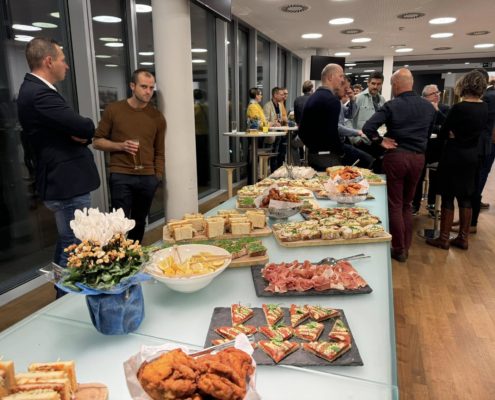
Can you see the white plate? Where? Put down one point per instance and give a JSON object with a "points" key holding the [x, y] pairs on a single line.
{"points": [[192, 283]]}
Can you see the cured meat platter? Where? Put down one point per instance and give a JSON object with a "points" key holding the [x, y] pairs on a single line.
{"points": [[222, 317], [306, 279]]}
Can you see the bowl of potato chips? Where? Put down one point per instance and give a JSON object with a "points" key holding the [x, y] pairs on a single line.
{"points": [[188, 268]]}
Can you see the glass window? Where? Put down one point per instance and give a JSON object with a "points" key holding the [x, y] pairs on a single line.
{"points": [[282, 67], [243, 43], [205, 97], [27, 229], [263, 67], [145, 59], [296, 86]]}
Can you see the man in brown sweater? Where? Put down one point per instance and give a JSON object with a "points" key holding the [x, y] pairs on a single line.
{"points": [[133, 131]]}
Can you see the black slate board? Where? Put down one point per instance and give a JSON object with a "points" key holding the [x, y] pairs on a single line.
{"points": [[221, 317], [260, 283]]}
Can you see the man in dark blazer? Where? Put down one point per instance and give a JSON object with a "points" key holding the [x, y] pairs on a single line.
{"points": [[320, 118], [65, 169]]}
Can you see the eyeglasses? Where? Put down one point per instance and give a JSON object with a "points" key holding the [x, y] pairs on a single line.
{"points": [[431, 94]]}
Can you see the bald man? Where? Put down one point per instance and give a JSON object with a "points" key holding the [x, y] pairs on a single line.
{"points": [[320, 118], [409, 120]]}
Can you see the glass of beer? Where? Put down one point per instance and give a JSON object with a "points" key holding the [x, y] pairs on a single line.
{"points": [[137, 157]]}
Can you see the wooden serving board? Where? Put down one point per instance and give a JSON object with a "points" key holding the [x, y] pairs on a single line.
{"points": [[311, 201], [91, 391], [222, 317], [387, 237], [260, 232], [246, 261]]}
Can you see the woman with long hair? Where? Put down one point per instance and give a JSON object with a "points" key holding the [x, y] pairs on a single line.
{"points": [[461, 132]]}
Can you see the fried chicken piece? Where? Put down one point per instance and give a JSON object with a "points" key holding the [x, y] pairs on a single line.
{"points": [[171, 376], [220, 388], [238, 360]]}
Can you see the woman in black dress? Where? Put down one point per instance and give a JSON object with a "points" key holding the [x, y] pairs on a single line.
{"points": [[457, 168]]}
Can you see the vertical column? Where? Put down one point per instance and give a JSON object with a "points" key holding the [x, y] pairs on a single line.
{"points": [[388, 69], [172, 38]]}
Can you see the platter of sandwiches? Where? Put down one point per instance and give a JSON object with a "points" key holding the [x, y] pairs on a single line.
{"points": [[245, 251], [332, 226], [299, 335], [227, 224], [47, 381], [307, 279]]}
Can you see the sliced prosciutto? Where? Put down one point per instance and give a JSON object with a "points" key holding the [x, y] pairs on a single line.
{"points": [[300, 277]]}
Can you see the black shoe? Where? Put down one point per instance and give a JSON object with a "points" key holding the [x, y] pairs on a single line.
{"points": [[484, 206], [398, 256]]}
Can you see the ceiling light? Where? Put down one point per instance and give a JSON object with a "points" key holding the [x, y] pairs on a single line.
{"points": [[109, 39], [369, 70], [198, 50], [147, 63], [29, 28], [348, 73], [107, 19], [342, 54], [411, 15], [364, 76], [361, 40], [350, 64], [341, 21], [406, 65], [442, 35], [483, 45], [103, 56], [294, 8], [114, 44], [44, 25], [198, 61], [442, 20], [111, 65], [55, 14], [448, 73], [467, 62], [311, 36], [143, 8], [404, 50], [146, 53], [23, 38], [351, 31]]}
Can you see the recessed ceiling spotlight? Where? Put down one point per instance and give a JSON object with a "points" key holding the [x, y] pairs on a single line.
{"points": [[23, 38], [44, 25], [143, 8], [442, 48], [114, 44], [109, 39], [198, 50], [369, 70], [467, 63], [351, 31], [442, 35], [108, 19], [111, 65], [483, 45], [146, 53], [198, 61], [442, 20], [411, 15], [404, 50], [448, 73], [103, 56], [478, 33], [361, 40], [342, 54], [357, 47], [341, 21], [55, 14], [311, 35], [28, 28], [406, 65], [146, 63], [294, 8], [350, 64]]}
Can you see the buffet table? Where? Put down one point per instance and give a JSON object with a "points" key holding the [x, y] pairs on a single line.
{"points": [[63, 329]]}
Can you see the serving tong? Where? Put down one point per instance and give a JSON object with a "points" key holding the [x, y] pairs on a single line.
{"points": [[222, 346], [333, 261]]}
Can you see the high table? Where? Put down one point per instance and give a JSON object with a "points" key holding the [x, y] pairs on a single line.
{"points": [[289, 130], [63, 329], [254, 145]]}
